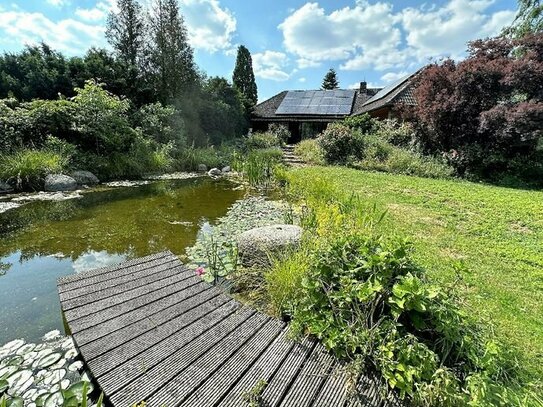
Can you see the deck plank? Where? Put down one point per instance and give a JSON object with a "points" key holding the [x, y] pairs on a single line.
{"points": [[151, 330]]}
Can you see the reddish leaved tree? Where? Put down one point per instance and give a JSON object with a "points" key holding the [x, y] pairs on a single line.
{"points": [[486, 112]]}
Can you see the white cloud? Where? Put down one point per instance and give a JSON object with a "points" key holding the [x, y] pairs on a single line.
{"points": [[210, 27], [393, 76], [302, 80], [58, 3], [90, 14], [376, 36], [270, 65], [67, 35]]}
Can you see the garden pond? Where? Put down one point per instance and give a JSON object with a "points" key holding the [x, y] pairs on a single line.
{"points": [[41, 241]]}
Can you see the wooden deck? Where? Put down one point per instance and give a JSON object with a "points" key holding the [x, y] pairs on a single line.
{"points": [[150, 330]]}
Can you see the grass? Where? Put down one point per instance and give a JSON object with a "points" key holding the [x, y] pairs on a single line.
{"points": [[494, 232], [310, 151]]}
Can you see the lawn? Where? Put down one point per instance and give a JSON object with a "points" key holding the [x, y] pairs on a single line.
{"points": [[497, 233]]}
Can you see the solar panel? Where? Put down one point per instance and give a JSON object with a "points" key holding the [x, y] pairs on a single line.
{"points": [[386, 90], [317, 102]]}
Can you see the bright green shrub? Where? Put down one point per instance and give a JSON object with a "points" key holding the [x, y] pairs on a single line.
{"points": [[281, 131], [213, 157], [364, 123], [339, 143], [26, 169], [162, 124], [397, 133], [310, 152], [262, 140]]}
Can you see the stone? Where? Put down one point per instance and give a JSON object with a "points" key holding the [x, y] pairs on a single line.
{"points": [[214, 172], [226, 169], [202, 168], [256, 246], [59, 182], [85, 178], [5, 188]]}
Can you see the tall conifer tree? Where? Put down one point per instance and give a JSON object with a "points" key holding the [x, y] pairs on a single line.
{"points": [[330, 81], [244, 77]]}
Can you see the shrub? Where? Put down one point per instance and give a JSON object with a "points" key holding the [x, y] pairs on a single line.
{"points": [[26, 169], [379, 155], [310, 152], [364, 123], [280, 131], [262, 140], [397, 133], [339, 143], [162, 124]]}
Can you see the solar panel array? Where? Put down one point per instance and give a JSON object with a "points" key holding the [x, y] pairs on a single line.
{"points": [[317, 102], [386, 90]]}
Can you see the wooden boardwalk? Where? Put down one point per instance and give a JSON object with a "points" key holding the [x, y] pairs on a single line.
{"points": [[150, 330]]}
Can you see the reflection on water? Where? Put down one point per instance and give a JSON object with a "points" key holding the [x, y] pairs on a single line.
{"points": [[42, 241]]}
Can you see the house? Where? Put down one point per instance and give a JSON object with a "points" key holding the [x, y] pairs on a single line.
{"points": [[308, 112]]}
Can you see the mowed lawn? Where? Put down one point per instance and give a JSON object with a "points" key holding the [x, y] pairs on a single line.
{"points": [[496, 232]]}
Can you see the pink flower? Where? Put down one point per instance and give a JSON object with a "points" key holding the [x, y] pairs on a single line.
{"points": [[200, 271]]}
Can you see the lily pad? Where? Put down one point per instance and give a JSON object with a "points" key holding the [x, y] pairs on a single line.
{"points": [[7, 371], [74, 367], [19, 380], [15, 402], [14, 345], [53, 377], [40, 400], [12, 361], [72, 353], [48, 360], [76, 389], [29, 347], [54, 400], [4, 385]]}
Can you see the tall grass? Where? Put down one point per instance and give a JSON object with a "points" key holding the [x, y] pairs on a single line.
{"points": [[190, 158], [259, 167], [310, 152], [26, 169]]}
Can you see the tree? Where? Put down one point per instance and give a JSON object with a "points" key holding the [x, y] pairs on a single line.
{"points": [[125, 31], [171, 59], [330, 81], [244, 77], [529, 18], [485, 113]]}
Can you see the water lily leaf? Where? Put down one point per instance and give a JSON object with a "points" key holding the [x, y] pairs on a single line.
{"points": [[7, 371], [14, 345], [49, 360], [4, 385], [23, 350], [13, 361], [15, 402], [19, 378], [70, 402], [76, 389], [54, 400], [40, 400]]}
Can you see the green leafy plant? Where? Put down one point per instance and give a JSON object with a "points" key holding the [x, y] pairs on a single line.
{"points": [[310, 152], [262, 140], [253, 397], [258, 167], [340, 142]]}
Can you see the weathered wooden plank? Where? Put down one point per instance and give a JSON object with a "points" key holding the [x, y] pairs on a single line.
{"points": [[114, 312], [160, 273], [118, 278], [139, 344], [217, 385], [172, 393], [90, 277], [312, 376], [286, 374], [137, 294], [263, 370], [151, 385], [335, 390], [115, 330]]}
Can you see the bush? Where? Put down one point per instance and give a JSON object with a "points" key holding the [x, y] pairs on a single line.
{"points": [[397, 133], [339, 143], [379, 155], [262, 140], [280, 131], [310, 152], [162, 124], [364, 123], [26, 169]]}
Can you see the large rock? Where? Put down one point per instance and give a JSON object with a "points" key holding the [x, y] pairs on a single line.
{"points": [[202, 168], [226, 169], [256, 246], [60, 182], [85, 178], [214, 172], [5, 188]]}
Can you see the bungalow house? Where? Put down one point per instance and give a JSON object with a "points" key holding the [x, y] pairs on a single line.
{"points": [[308, 112]]}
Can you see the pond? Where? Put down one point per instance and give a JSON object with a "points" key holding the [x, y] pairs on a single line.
{"points": [[41, 241]]}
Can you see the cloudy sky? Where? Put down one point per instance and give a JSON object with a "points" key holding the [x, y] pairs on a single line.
{"points": [[293, 42]]}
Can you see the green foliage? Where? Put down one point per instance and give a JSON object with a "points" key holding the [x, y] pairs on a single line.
{"points": [[364, 123], [330, 81], [310, 152], [26, 169], [213, 157], [261, 140], [380, 155], [281, 131], [397, 133], [529, 19], [253, 397], [244, 77], [339, 143], [162, 124], [259, 167]]}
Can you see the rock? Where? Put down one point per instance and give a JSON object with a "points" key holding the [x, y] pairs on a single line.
{"points": [[202, 168], [85, 178], [5, 188], [226, 169], [60, 182], [256, 245], [214, 172]]}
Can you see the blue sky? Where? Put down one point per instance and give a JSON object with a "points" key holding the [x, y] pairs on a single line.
{"points": [[293, 42]]}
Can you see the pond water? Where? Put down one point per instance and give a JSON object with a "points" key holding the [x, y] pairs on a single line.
{"points": [[41, 241]]}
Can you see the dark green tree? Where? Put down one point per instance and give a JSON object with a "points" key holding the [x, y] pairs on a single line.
{"points": [[529, 19], [330, 81], [171, 59], [244, 77], [125, 31]]}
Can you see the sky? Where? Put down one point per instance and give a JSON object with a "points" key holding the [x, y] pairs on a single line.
{"points": [[293, 42]]}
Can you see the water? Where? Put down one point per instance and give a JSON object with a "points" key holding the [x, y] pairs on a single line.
{"points": [[42, 241]]}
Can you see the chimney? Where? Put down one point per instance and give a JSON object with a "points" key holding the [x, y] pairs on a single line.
{"points": [[363, 87]]}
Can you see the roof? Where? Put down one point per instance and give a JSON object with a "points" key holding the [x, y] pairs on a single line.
{"points": [[312, 104], [399, 92]]}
